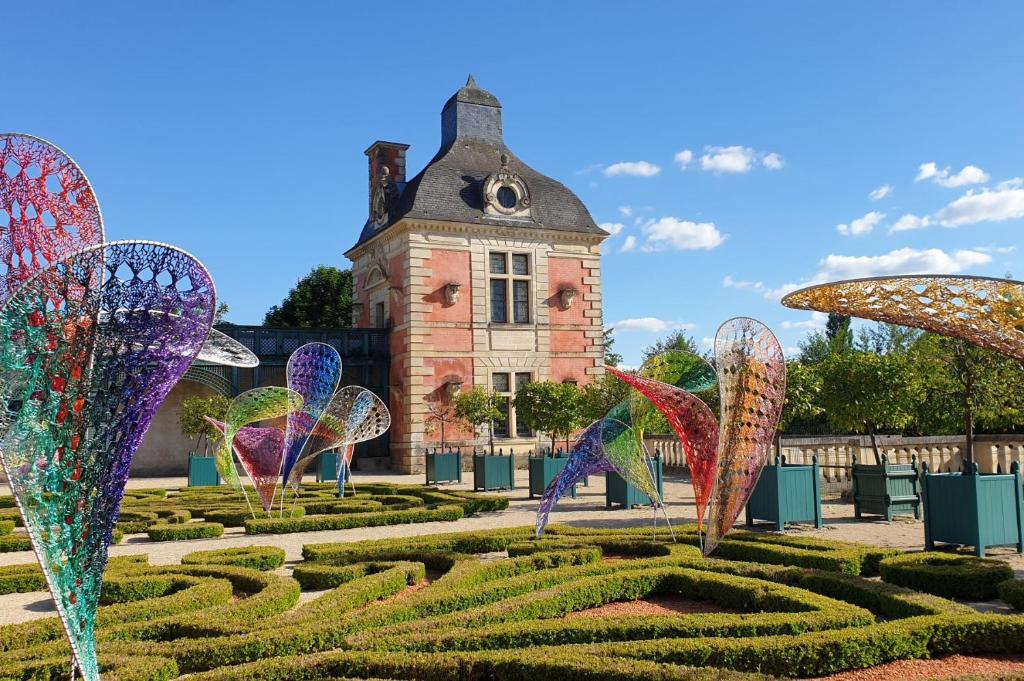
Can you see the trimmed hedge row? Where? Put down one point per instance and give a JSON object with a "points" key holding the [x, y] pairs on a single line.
{"points": [[947, 575], [199, 530], [261, 558], [6, 526], [1012, 591], [317, 523]]}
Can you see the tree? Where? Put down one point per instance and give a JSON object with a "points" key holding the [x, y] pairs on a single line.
{"points": [[677, 340], [477, 407], [441, 411], [803, 391], [553, 408], [864, 391], [611, 358], [599, 397], [838, 333], [965, 384], [191, 420], [220, 313], [322, 298]]}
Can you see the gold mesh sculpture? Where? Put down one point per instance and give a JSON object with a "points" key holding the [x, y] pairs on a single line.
{"points": [[980, 310]]}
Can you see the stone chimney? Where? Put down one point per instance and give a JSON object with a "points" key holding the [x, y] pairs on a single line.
{"points": [[390, 155]]}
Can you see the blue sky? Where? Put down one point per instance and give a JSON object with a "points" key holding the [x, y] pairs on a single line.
{"points": [[236, 130]]}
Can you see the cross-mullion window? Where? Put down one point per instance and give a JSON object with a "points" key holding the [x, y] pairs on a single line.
{"points": [[514, 308], [505, 386]]}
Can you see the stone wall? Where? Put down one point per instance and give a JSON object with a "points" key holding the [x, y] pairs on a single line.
{"points": [[835, 454], [164, 450]]}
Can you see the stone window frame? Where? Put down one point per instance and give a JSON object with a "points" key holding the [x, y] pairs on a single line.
{"points": [[513, 378], [510, 279]]}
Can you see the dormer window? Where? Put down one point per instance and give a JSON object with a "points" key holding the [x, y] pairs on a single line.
{"points": [[505, 193]]}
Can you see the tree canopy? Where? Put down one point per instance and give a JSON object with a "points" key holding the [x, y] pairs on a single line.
{"points": [[553, 408], [321, 299]]}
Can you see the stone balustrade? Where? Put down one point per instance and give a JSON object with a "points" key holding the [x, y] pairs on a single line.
{"points": [[993, 453]]}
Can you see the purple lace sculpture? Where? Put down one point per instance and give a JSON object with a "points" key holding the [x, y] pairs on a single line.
{"points": [[313, 371], [89, 348]]}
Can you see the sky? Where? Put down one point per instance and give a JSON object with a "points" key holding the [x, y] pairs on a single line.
{"points": [[737, 150]]}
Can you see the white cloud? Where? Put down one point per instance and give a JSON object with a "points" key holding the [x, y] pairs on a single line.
{"points": [[629, 244], [729, 282], [862, 225], [634, 168], [683, 158], [880, 193], [682, 235], [909, 222], [944, 178], [707, 341], [626, 211], [815, 321], [900, 261], [1005, 202], [791, 351], [772, 161], [612, 228], [735, 159], [651, 325], [999, 250]]}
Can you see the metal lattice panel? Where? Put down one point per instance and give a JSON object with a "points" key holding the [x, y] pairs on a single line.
{"points": [[983, 311]]}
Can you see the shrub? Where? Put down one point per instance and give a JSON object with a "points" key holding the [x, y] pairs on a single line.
{"points": [[943, 574], [15, 542], [6, 526], [21, 579], [261, 558], [201, 530], [317, 523], [1012, 591]]}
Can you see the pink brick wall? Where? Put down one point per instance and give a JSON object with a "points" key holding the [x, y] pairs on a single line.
{"points": [[447, 267], [563, 273], [443, 370]]}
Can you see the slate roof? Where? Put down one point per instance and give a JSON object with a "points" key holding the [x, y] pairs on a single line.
{"points": [[449, 187]]}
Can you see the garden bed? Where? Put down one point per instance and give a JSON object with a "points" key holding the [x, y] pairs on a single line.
{"points": [[554, 609]]}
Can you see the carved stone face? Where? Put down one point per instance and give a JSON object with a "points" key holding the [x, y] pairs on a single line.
{"points": [[451, 292]]}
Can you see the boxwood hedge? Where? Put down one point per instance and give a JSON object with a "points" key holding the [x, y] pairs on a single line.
{"points": [[948, 575]]}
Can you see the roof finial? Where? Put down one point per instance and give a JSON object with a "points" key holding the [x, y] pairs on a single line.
{"points": [[471, 81]]}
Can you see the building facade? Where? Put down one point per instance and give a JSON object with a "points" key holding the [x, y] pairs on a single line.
{"points": [[486, 272]]}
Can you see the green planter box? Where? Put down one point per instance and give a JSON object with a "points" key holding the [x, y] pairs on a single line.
{"points": [[543, 470], [888, 490], [202, 471], [787, 493], [327, 467], [971, 509], [444, 467], [618, 491], [494, 472]]}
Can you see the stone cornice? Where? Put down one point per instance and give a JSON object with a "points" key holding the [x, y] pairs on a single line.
{"points": [[407, 226]]}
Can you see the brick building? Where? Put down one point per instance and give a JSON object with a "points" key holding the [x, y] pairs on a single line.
{"points": [[487, 273]]}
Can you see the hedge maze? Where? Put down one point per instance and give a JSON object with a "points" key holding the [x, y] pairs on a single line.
{"points": [[493, 605], [204, 512]]}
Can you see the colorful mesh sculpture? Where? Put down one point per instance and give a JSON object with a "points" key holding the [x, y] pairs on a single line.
{"points": [[354, 415], [313, 371], [752, 388], [89, 348], [586, 458], [259, 449], [984, 311], [48, 211], [693, 423]]}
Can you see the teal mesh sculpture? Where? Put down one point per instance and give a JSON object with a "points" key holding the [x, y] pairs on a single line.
{"points": [[89, 348]]}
